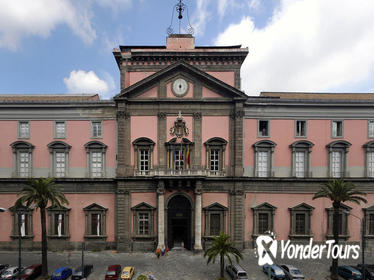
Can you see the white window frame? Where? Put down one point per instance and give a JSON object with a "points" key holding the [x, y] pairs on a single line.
{"points": [[260, 133], [334, 128], [304, 124], [57, 134], [19, 148], [370, 128], [55, 148], [21, 133], [268, 147], [142, 145], [92, 148], [215, 156], [93, 123], [342, 147]]}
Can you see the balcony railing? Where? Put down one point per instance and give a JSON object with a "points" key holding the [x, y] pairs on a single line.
{"points": [[183, 172]]}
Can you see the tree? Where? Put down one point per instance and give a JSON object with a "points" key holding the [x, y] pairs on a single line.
{"points": [[222, 247], [339, 191], [41, 192]]}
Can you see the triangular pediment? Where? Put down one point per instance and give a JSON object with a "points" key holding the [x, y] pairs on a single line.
{"points": [[302, 207], [264, 206], [94, 206], [215, 207], [55, 208], [143, 206], [180, 69], [343, 207]]}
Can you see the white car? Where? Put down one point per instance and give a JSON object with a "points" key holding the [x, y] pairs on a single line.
{"points": [[10, 272]]}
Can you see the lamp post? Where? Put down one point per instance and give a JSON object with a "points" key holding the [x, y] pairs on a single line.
{"points": [[363, 223]]}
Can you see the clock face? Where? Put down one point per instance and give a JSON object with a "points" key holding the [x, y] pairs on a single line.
{"points": [[180, 87]]}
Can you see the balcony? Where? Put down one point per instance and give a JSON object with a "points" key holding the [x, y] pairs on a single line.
{"points": [[173, 172]]}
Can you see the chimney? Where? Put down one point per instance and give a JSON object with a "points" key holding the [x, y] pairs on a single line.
{"points": [[180, 42]]}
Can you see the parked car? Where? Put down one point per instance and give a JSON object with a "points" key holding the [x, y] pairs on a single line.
{"points": [[292, 273], [348, 272], [236, 272], [31, 272], [275, 271], [113, 272], [369, 270], [80, 273], [128, 272], [10, 272], [3, 267], [61, 273]]}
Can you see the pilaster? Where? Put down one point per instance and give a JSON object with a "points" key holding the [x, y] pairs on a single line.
{"points": [[197, 131], [198, 191], [161, 215], [123, 218], [161, 139], [124, 167], [237, 216]]}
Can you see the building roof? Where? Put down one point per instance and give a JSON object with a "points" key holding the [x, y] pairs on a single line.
{"points": [[48, 97], [319, 95]]}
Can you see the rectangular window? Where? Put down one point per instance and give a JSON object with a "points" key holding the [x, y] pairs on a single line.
{"points": [[340, 223], [59, 224], [24, 129], [214, 160], [60, 164], [337, 128], [96, 129], [143, 223], [371, 224], [371, 129], [178, 159], [60, 129], [96, 164], [263, 128], [263, 222], [336, 164], [300, 128], [215, 224], [300, 223], [262, 164], [370, 165], [144, 160], [24, 224], [300, 164], [24, 164], [95, 224]]}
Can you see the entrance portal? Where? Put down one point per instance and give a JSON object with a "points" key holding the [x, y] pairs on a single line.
{"points": [[179, 222]]}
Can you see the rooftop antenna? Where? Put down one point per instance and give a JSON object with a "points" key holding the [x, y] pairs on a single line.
{"points": [[180, 7]]}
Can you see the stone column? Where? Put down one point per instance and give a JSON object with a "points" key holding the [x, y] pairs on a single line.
{"points": [[161, 215], [123, 218], [198, 246]]}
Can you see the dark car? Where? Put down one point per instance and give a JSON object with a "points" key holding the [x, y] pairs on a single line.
{"points": [[61, 273], [236, 272], [80, 273], [10, 273], [275, 271], [113, 272], [348, 272], [292, 273], [369, 270], [31, 272]]}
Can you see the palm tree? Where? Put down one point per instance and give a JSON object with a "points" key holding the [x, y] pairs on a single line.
{"points": [[222, 247], [41, 192], [338, 192]]}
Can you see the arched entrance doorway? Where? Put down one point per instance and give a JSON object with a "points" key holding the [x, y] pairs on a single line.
{"points": [[179, 222]]}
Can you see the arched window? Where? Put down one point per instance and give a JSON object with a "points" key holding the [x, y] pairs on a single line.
{"points": [[338, 158], [59, 158], [264, 158], [301, 158], [22, 152], [95, 159], [215, 155], [143, 156]]}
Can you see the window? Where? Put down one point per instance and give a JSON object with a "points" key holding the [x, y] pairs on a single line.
{"points": [[300, 128], [263, 128], [22, 152], [96, 129], [371, 224], [143, 220], [95, 221], [95, 159], [60, 129], [179, 155], [301, 221], [301, 158], [215, 217], [215, 156], [369, 166], [338, 158], [59, 155], [23, 129], [343, 221], [22, 216], [371, 129], [143, 150], [263, 219], [58, 222], [336, 129], [369, 217], [263, 158]]}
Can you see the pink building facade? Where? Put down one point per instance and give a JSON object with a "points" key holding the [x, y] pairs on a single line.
{"points": [[182, 154]]}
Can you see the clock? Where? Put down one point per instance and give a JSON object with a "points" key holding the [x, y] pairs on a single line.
{"points": [[180, 87]]}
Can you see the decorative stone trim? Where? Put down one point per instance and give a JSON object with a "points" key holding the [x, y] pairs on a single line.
{"points": [[51, 225], [95, 209], [306, 210], [28, 222], [263, 208], [330, 212]]}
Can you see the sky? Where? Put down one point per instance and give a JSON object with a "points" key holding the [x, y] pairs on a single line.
{"points": [[65, 46]]}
